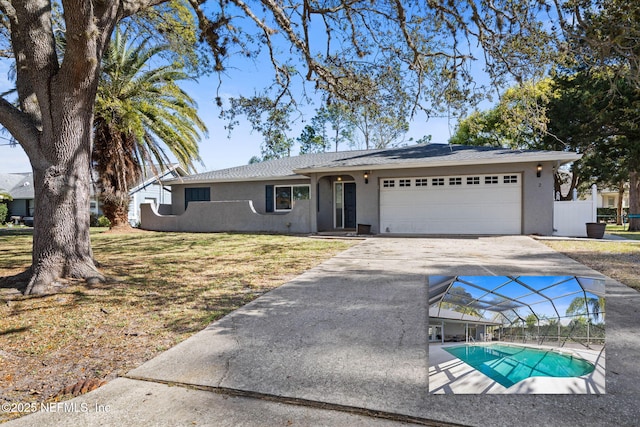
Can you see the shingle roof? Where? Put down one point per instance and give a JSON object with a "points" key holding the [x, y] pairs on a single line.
{"points": [[18, 185], [276, 168], [428, 155], [422, 155]]}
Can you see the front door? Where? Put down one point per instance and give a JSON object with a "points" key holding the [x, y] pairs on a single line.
{"points": [[345, 204], [350, 205]]}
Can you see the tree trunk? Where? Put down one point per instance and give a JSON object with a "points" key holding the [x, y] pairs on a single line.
{"points": [[634, 199], [117, 211], [53, 122], [62, 183], [619, 207]]}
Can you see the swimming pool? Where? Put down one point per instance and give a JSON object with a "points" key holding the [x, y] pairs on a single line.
{"points": [[507, 364]]}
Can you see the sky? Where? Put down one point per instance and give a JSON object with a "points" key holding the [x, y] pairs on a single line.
{"points": [[217, 149], [561, 289]]}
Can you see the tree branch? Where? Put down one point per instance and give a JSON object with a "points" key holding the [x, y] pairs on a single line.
{"points": [[131, 7], [19, 124], [33, 46]]}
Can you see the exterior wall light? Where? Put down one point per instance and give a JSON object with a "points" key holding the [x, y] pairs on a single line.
{"points": [[339, 178], [366, 177], [538, 170]]}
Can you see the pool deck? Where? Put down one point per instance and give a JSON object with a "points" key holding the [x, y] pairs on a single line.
{"points": [[450, 375]]}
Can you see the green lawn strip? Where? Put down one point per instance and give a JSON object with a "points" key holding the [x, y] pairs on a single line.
{"points": [[621, 230]]}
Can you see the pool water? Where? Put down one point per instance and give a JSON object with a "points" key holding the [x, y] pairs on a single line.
{"points": [[508, 364]]}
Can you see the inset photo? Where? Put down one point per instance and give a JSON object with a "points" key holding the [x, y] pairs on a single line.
{"points": [[516, 335]]}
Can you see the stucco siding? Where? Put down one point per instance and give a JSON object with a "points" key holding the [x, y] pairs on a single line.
{"points": [[325, 207], [225, 191], [221, 216]]}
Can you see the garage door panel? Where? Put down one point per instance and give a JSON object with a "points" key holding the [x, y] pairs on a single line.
{"points": [[452, 209]]}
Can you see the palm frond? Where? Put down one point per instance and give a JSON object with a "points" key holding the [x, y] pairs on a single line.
{"points": [[141, 115]]}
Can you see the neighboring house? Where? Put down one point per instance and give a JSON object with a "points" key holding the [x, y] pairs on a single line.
{"points": [[150, 190], [419, 189], [608, 198], [20, 187]]}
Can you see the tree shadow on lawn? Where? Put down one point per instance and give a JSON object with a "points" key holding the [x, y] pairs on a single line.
{"points": [[10, 231], [18, 281]]}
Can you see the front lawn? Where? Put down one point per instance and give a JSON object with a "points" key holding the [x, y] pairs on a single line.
{"points": [[164, 288], [616, 259], [621, 230]]}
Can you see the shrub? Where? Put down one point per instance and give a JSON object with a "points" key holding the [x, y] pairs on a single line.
{"points": [[103, 221], [4, 212], [99, 221]]}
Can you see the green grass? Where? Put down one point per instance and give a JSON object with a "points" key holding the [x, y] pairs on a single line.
{"points": [[621, 230], [163, 287]]}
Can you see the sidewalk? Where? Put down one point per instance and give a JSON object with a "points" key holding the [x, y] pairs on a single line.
{"points": [[345, 344]]}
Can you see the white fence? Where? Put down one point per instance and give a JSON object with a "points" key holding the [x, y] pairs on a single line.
{"points": [[570, 218]]}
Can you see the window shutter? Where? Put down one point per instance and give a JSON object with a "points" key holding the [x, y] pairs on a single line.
{"points": [[268, 197]]}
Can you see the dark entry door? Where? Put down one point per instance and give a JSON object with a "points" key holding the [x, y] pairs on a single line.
{"points": [[349, 205]]}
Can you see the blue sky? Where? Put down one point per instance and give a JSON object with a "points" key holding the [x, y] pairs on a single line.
{"points": [[218, 151], [561, 289]]}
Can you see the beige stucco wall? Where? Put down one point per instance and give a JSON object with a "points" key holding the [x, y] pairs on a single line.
{"points": [[224, 191], [220, 216]]}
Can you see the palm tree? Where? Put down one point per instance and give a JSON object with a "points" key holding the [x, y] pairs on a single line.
{"points": [[579, 306], [140, 111], [597, 308]]}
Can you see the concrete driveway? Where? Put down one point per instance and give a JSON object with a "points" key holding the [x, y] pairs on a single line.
{"points": [[346, 344]]}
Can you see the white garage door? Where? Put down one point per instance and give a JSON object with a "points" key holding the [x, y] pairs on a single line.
{"points": [[457, 204]]}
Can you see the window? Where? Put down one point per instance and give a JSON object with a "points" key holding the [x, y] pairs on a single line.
{"points": [[455, 181], [198, 194], [285, 196], [388, 183], [437, 182], [421, 182], [490, 179], [510, 179], [300, 192], [404, 183], [473, 180]]}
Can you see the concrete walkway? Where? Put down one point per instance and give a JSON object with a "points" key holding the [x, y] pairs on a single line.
{"points": [[345, 344]]}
